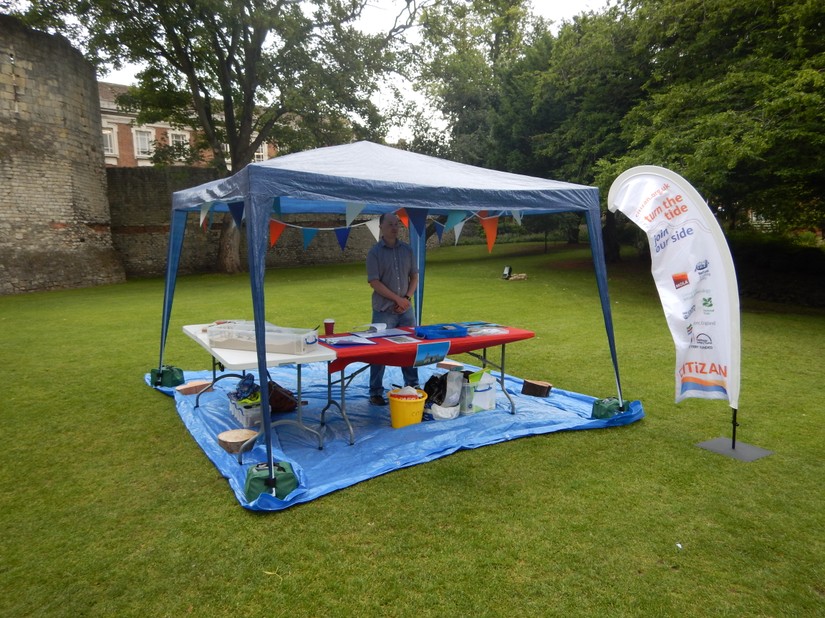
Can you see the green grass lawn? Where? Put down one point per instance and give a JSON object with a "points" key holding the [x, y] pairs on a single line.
{"points": [[109, 508]]}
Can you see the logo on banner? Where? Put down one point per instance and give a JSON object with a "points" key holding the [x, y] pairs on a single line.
{"points": [[705, 377], [702, 341], [707, 305], [680, 280]]}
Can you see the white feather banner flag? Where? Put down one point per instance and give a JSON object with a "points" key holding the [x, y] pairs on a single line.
{"points": [[694, 274]]}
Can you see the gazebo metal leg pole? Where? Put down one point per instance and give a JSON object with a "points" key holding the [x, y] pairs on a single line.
{"points": [[344, 409], [501, 381]]}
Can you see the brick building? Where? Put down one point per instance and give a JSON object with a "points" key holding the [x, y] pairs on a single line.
{"points": [[126, 144]]}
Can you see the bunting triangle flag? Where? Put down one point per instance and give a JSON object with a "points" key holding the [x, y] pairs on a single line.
{"points": [[236, 209], [353, 210], [342, 233], [439, 230], [453, 219], [458, 227], [275, 229], [517, 216], [204, 212], [403, 217], [308, 234], [419, 220], [490, 225], [375, 227]]}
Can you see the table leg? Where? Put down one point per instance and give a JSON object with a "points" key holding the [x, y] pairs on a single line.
{"points": [[342, 406], [299, 414], [501, 381], [299, 421], [344, 409], [214, 380]]}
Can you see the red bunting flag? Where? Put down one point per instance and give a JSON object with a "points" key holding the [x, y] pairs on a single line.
{"points": [[403, 217], [275, 229], [490, 225]]}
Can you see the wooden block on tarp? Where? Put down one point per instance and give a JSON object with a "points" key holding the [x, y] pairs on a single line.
{"points": [[536, 388], [449, 364], [231, 441], [193, 387]]}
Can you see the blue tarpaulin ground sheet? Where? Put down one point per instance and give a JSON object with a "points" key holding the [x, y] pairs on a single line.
{"points": [[378, 447]]}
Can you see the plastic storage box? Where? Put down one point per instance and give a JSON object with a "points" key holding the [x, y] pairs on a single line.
{"points": [[248, 415], [240, 335]]}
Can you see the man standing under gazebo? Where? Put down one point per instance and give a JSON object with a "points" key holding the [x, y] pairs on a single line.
{"points": [[393, 275]]}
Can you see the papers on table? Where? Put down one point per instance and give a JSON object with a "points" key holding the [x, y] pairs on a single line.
{"points": [[487, 330], [405, 338], [386, 332], [352, 339], [371, 332]]}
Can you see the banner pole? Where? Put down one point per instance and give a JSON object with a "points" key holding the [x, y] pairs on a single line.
{"points": [[735, 425]]}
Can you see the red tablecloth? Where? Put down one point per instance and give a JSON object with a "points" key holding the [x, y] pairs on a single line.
{"points": [[384, 352]]}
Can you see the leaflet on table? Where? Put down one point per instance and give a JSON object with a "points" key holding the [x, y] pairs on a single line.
{"points": [[348, 340], [387, 332], [405, 338], [484, 328]]}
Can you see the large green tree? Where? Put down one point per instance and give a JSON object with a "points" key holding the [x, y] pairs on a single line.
{"points": [[735, 103], [466, 45], [243, 72]]}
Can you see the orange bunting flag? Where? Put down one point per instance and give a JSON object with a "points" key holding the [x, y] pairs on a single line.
{"points": [[490, 225], [403, 217], [275, 229]]}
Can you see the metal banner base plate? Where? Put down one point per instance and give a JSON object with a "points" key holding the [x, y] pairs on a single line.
{"points": [[742, 452]]}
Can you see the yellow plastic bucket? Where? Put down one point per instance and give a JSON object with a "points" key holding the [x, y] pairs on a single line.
{"points": [[405, 410]]}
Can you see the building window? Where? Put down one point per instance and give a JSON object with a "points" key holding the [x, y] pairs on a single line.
{"points": [[109, 142], [180, 145], [261, 153], [143, 143], [179, 140]]}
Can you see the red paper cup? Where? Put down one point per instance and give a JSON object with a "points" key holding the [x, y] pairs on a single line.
{"points": [[329, 326]]}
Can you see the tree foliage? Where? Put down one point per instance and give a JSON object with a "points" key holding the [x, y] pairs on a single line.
{"points": [[466, 46], [735, 103], [729, 93], [242, 72]]}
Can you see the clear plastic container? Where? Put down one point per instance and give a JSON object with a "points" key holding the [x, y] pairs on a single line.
{"points": [[455, 378]]}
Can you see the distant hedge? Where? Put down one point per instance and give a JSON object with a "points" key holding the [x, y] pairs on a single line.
{"points": [[776, 269]]}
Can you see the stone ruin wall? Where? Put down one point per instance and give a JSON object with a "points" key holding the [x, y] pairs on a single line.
{"points": [[54, 214], [140, 201], [67, 221]]}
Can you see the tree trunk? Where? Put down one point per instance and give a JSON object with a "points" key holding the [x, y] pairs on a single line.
{"points": [[229, 249], [612, 253], [573, 234]]}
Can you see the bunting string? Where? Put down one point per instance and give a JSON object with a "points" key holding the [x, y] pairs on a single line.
{"points": [[455, 221]]}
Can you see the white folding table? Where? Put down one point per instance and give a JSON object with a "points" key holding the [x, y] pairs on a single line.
{"points": [[242, 360]]}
